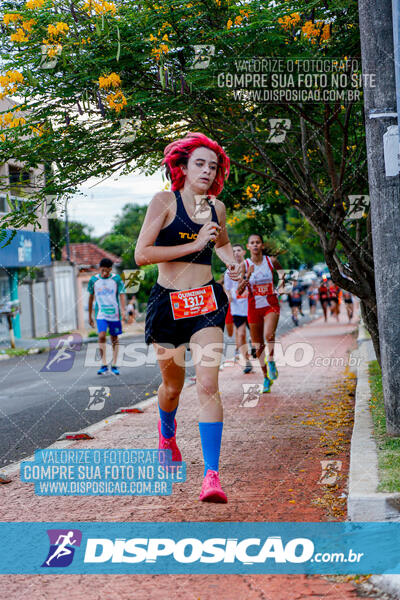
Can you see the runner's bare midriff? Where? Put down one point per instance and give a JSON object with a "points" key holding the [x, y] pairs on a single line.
{"points": [[182, 275]]}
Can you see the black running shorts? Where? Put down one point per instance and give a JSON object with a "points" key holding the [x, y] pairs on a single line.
{"points": [[163, 329], [239, 320]]}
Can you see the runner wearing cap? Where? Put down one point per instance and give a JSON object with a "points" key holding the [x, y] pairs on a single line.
{"points": [[186, 306]]}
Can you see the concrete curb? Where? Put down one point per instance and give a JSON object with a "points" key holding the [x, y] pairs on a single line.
{"points": [[364, 503], [387, 583]]}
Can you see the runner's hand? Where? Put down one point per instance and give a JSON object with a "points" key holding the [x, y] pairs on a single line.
{"points": [[91, 322], [244, 280], [208, 233], [241, 287], [235, 271]]}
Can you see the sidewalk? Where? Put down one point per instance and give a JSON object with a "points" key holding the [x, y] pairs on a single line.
{"points": [[36, 345], [270, 469]]}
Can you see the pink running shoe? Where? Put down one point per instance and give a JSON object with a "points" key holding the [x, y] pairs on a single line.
{"points": [[169, 444], [211, 490]]}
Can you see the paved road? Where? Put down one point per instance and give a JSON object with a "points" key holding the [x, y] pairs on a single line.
{"points": [[37, 404]]}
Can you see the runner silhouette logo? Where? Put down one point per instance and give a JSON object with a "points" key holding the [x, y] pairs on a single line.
{"points": [[62, 547], [62, 352]]}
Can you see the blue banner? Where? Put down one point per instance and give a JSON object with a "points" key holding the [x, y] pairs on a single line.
{"points": [[200, 548], [27, 249]]}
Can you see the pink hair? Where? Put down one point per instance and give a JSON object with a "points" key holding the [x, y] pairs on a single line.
{"points": [[177, 153]]}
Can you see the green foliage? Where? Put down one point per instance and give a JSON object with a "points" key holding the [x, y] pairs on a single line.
{"points": [[74, 120], [388, 447], [124, 234], [151, 273], [78, 232]]}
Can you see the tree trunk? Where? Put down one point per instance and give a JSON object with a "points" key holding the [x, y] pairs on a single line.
{"points": [[376, 30], [370, 318]]}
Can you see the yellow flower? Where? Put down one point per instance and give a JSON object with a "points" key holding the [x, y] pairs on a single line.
{"points": [[20, 36], [11, 18], [238, 20], [27, 25], [57, 29], [326, 32], [15, 76], [116, 101], [32, 4], [153, 38], [112, 80], [54, 50], [100, 7], [229, 24], [289, 20]]}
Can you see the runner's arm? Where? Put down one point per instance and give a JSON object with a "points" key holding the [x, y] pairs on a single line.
{"points": [[121, 291], [281, 275], [223, 246], [228, 286], [123, 308], [90, 308], [145, 252]]}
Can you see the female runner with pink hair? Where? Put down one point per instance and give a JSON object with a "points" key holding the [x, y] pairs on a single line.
{"points": [[186, 306]]}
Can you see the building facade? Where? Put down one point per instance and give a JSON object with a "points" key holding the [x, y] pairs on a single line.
{"points": [[28, 248]]}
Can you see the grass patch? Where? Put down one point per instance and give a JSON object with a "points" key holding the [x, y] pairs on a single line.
{"points": [[388, 447], [20, 351], [52, 335]]}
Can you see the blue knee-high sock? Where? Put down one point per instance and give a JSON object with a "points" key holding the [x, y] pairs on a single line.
{"points": [[211, 434], [167, 422]]}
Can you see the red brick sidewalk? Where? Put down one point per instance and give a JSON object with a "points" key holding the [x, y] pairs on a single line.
{"points": [[270, 469]]}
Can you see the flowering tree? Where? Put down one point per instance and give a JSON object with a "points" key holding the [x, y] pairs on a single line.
{"points": [[109, 84]]}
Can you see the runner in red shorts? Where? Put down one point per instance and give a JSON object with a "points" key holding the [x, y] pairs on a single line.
{"points": [[229, 321], [263, 305]]}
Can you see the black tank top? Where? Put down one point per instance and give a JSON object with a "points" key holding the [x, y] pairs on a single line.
{"points": [[183, 230]]}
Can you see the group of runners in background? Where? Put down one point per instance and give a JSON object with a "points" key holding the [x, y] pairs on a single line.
{"points": [[256, 306], [327, 293]]}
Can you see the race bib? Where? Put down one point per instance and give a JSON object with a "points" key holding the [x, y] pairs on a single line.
{"points": [[262, 289], [194, 302]]}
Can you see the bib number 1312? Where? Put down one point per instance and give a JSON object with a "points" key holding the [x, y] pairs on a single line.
{"points": [[190, 303]]}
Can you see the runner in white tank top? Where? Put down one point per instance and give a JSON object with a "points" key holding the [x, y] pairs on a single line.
{"points": [[238, 304], [263, 305]]}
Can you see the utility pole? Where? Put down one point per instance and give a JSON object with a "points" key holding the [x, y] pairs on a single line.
{"points": [[377, 49], [67, 231]]}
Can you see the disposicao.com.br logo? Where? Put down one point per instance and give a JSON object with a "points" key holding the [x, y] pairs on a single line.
{"points": [[62, 547], [213, 550]]}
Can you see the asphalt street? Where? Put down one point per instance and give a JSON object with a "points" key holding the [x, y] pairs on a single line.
{"points": [[41, 401]]}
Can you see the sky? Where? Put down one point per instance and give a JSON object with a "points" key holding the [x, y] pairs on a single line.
{"points": [[104, 200]]}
